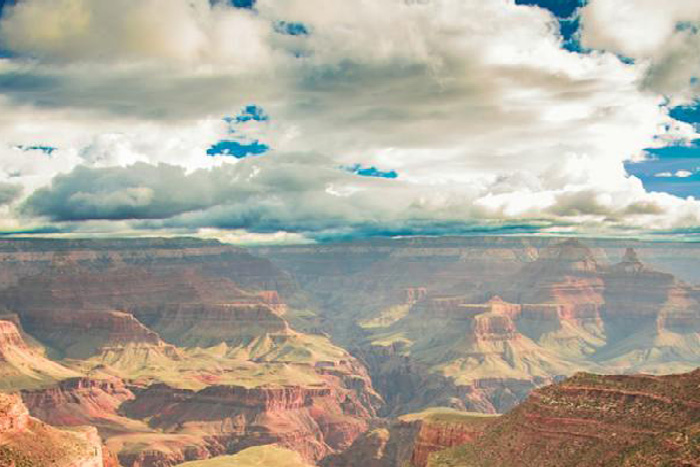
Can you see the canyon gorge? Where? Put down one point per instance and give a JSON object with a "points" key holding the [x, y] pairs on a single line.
{"points": [[388, 352]]}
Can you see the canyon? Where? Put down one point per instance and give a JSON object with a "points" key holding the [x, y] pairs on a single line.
{"points": [[591, 420], [380, 352]]}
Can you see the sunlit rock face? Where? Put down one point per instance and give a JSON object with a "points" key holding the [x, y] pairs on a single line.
{"points": [[593, 420], [135, 328], [498, 317], [25, 440], [179, 350]]}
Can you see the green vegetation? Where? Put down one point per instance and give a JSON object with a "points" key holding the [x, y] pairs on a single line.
{"points": [[447, 414], [259, 456], [386, 318]]}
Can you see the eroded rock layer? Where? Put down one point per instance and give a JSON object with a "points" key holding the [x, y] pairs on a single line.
{"points": [[591, 420], [25, 441]]}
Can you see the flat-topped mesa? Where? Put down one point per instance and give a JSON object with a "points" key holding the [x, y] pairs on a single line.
{"points": [[14, 416], [78, 401], [314, 421], [267, 399]]}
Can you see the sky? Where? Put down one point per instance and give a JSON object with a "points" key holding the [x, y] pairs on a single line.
{"points": [[292, 121]]}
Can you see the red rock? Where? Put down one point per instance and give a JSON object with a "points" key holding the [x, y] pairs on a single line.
{"points": [[312, 421], [78, 401], [437, 435], [591, 420], [27, 441], [14, 416]]}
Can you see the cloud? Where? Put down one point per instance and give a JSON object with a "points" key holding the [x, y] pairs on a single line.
{"points": [[188, 31], [490, 122], [664, 35], [677, 174], [9, 192], [281, 194]]}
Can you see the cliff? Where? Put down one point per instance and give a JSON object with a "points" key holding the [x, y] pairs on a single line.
{"points": [[80, 401], [410, 439], [442, 431], [22, 366], [27, 441], [591, 420], [313, 421]]}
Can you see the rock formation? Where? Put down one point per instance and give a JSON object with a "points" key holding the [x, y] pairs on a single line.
{"points": [[411, 439], [591, 420], [312, 421], [25, 441], [22, 366], [563, 307]]}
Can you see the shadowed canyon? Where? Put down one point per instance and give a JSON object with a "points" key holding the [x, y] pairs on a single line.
{"points": [[389, 352]]}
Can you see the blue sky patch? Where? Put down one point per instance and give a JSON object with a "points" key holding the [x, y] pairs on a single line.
{"points": [[243, 3], [560, 8], [249, 113], [566, 12], [687, 113], [672, 169], [372, 171], [48, 150], [237, 149], [291, 28]]}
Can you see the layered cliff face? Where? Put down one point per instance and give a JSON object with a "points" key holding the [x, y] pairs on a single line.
{"points": [[29, 258], [313, 421], [81, 401], [166, 323], [27, 441], [591, 420], [409, 441], [421, 314], [440, 431], [22, 366]]}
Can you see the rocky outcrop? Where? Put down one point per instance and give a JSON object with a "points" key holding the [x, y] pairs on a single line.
{"points": [[385, 444], [22, 366], [314, 421], [27, 441], [443, 431], [14, 415], [210, 324], [79, 401], [591, 420], [567, 310], [411, 439]]}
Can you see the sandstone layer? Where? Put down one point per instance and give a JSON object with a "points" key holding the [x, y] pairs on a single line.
{"points": [[591, 420], [25, 441]]}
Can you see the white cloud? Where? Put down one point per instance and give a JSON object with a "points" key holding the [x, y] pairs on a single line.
{"points": [[475, 104], [663, 35], [677, 174]]}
